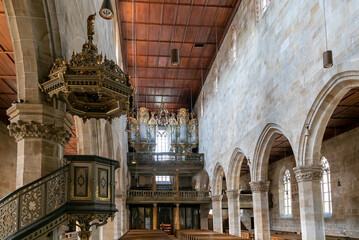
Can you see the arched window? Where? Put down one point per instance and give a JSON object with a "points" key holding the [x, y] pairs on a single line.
{"points": [[326, 188], [287, 193], [161, 141]]}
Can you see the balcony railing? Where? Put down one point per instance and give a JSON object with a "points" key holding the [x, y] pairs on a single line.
{"points": [[145, 196], [165, 163], [183, 158], [149, 196]]}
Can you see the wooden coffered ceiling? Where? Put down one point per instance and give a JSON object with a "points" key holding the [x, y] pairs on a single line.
{"points": [[151, 28], [7, 67]]}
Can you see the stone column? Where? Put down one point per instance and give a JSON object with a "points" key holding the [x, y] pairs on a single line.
{"points": [[217, 213], [310, 202], [177, 224], [234, 212], [177, 180], [121, 218], [260, 209], [154, 216], [40, 132], [204, 209]]}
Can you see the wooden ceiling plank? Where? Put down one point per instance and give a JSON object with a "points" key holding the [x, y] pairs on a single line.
{"points": [[182, 4]]}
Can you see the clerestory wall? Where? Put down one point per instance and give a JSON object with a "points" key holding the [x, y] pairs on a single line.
{"points": [[275, 75]]}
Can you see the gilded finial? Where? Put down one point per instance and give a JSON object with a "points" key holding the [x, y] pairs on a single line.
{"points": [[91, 27]]}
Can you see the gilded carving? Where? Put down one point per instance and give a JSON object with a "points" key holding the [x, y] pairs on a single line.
{"points": [[56, 192], [261, 186], [8, 219], [31, 206], [22, 129]]}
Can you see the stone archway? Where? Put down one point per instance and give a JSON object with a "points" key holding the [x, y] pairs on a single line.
{"points": [[259, 178], [309, 172], [233, 185], [217, 186]]}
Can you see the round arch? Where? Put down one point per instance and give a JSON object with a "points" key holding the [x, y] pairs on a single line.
{"points": [[320, 114], [217, 179], [234, 169], [259, 168]]}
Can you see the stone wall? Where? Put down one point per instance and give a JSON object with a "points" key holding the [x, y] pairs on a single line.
{"points": [[8, 162], [342, 154], [276, 76]]}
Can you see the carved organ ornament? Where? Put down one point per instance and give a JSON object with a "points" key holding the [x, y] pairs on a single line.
{"points": [[182, 130], [90, 84]]}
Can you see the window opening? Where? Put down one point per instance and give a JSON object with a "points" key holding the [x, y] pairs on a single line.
{"points": [[287, 193], [326, 187], [163, 180]]}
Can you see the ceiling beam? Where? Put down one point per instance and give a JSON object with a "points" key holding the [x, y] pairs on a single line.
{"points": [[161, 41], [8, 76], [5, 51], [167, 68], [143, 55], [173, 25], [179, 4]]}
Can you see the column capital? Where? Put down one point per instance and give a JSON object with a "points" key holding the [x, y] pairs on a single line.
{"points": [[24, 129], [155, 204], [232, 194], [177, 204], [260, 186], [121, 195], [308, 173], [216, 198]]}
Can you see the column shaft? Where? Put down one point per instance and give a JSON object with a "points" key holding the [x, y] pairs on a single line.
{"points": [[234, 212], [310, 202], [217, 213], [177, 218], [261, 210], [154, 216]]}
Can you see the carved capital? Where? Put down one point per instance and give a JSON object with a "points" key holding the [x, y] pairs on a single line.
{"points": [[261, 186], [308, 173], [121, 195], [232, 194], [22, 129], [217, 198]]}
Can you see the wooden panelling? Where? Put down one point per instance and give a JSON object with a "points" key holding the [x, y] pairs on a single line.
{"points": [[7, 67], [151, 28]]}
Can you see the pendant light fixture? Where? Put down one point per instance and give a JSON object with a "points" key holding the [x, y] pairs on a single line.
{"points": [[175, 59], [328, 54], [106, 10]]}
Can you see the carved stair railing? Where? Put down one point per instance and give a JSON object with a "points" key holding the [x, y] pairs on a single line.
{"points": [[81, 191]]}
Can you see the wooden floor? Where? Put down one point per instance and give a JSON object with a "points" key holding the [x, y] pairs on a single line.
{"points": [[145, 234]]}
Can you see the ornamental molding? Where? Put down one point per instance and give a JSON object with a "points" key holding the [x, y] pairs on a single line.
{"points": [[232, 194], [216, 198], [23, 129], [261, 186], [308, 173]]}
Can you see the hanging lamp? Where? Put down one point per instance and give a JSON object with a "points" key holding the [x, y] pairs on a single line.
{"points": [[175, 59], [106, 10], [328, 54]]}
